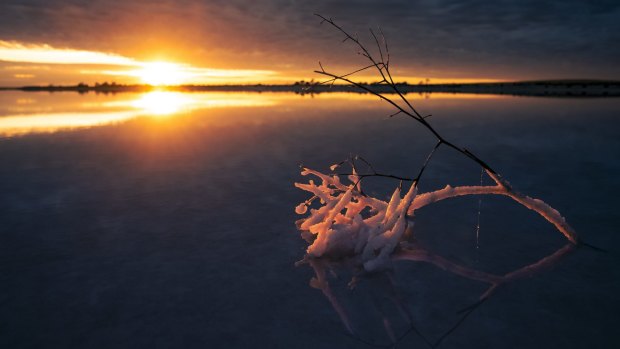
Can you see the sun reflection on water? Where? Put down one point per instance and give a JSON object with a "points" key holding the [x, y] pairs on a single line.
{"points": [[23, 113], [167, 103], [163, 103], [53, 112]]}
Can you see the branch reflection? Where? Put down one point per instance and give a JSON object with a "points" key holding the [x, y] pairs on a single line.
{"points": [[383, 285]]}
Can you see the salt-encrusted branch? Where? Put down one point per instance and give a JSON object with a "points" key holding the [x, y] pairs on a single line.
{"points": [[369, 232], [331, 188], [502, 188]]}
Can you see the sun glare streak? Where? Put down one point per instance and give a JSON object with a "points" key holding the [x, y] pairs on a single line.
{"points": [[11, 51]]}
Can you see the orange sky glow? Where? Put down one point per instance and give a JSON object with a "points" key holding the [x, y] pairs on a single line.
{"points": [[65, 42], [40, 64]]}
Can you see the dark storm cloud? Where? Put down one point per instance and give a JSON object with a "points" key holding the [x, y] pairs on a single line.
{"points": [[490, 38]]}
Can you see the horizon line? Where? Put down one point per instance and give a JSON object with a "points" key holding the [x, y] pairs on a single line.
{"points": [[312, 82]]}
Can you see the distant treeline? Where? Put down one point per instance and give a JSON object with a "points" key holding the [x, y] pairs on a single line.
{"points": [[560, 88]]}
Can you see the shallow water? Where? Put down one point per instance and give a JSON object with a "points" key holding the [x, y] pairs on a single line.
{"points": [[167, 220]]}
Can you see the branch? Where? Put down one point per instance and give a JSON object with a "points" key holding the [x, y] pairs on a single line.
{"points": [[549, 213], [379, 65], [384, 71]]}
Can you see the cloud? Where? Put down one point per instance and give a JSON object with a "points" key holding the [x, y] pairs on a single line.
{"points": [[118, 66], [500, 38], [11, 51]]}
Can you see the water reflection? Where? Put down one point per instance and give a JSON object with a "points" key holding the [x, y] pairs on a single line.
{"points": [[36, 113], [12, 125], [28, 112], [162, 103], [180, 226], [394, 311], [167, 103]]}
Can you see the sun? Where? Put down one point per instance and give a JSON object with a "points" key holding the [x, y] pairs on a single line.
{"points": [[162, 73]]}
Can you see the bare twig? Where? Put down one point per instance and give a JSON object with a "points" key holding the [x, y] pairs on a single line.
{"points": [[428, 159], [367, 163], [366, 175], [345, 75], [384, 71], [378, 45]]}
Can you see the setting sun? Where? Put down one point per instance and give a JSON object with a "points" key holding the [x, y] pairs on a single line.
{"points": [[162, 73]]}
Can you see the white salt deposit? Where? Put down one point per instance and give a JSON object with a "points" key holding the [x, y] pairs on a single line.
{"points": [[341, 231]]}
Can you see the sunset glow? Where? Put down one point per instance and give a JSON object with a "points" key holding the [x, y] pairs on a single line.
{"points": [[161, 73], [12, 51], [51, 113], [43, 61], [312, 174], [38, 61]]}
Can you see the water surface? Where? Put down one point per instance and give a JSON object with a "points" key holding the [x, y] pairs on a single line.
{"points": [[167, 220]]}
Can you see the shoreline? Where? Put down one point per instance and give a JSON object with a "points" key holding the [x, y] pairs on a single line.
{"points": [[557, 88]]}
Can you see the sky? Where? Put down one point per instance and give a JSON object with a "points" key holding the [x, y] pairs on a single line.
{"points": [[241, 41]]}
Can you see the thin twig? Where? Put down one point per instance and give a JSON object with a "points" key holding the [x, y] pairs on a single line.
{"points": [[378, 45], [345, 75], [367, 163], [387, 50], [428, 159], [386, 75], [366, 175], [457, 324]]}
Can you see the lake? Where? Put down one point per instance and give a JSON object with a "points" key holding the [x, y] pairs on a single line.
{"points": [[167, 220]]}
